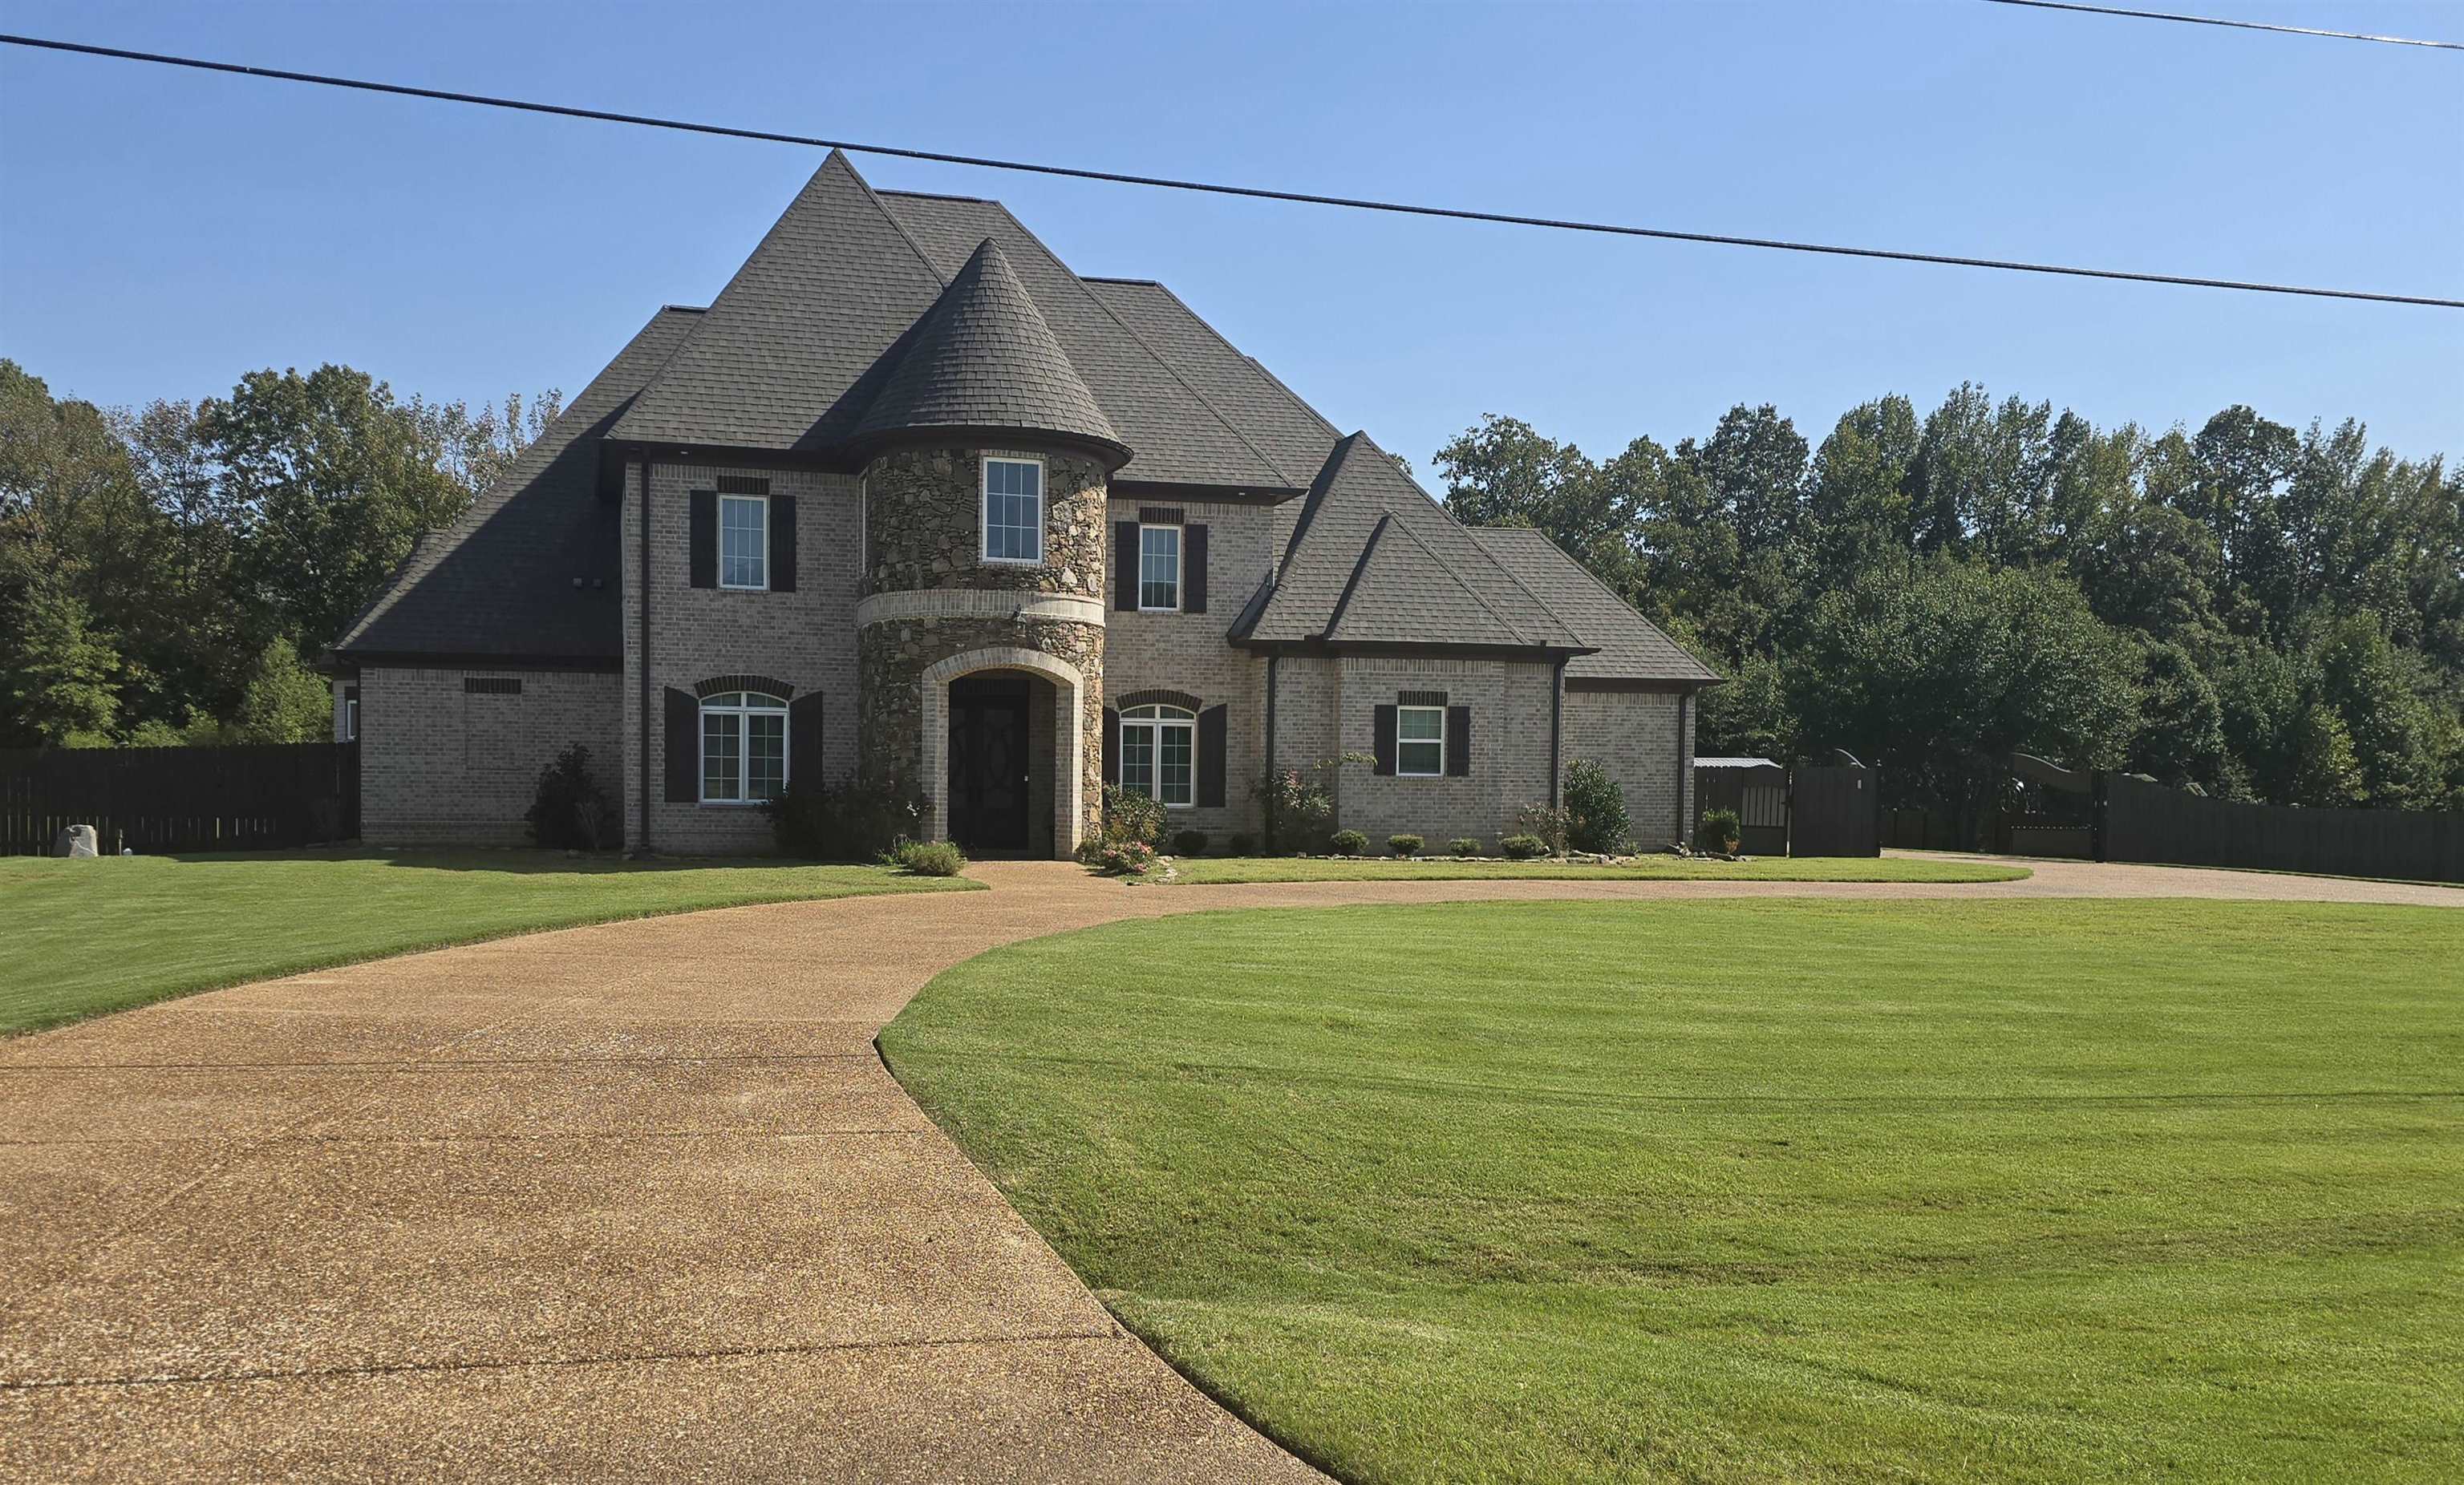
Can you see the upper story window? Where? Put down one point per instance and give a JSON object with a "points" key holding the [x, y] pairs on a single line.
{"points": [[743, 748], [1421, 741], [744, 541], [1160, 568], [1014, 511], [1159, 754]]}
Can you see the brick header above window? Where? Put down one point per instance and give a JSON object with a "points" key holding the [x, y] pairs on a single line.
{"points": [[1419, 698]]}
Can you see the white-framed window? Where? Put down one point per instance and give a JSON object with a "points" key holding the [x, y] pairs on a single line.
{"points": [[1014, 511], [1160, 568], [743, 748], [744, 541], [1421, 741], [1159, 754], [350, 719]]}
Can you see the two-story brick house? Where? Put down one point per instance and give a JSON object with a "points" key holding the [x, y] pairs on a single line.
{"points": [[911, 501]]}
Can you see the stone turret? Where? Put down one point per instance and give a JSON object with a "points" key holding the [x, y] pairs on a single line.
{"points": [[985, 462]]}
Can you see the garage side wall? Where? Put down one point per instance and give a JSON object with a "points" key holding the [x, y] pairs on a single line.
{"points": [[1633, 735], [453, 757]]}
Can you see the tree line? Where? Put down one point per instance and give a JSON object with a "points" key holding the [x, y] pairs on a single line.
{"points": [[169, 574], [2248, 610]]}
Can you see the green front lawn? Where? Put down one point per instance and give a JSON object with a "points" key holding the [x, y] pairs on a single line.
{"points": [[1815, 1190], [81, 937], [1210, 869]]}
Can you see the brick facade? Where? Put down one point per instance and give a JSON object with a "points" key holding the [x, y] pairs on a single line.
{"points": [[806, 638], [443, 764], [1633, 734]]}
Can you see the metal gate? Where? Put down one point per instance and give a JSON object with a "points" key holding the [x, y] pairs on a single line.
{"points": [[1835, 810]]}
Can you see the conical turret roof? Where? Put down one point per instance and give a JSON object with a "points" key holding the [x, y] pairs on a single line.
{"points": [[981, 359]]}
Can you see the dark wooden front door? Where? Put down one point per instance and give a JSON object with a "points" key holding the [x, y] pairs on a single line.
{"points": [[988, 763]]}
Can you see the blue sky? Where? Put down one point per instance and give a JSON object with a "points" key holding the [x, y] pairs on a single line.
{"points": [[162, 232]]}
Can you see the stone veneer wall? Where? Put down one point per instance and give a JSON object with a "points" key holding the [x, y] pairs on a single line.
{"points": [[440, 765], [806, 638], [930, 599], [1633, 734]]}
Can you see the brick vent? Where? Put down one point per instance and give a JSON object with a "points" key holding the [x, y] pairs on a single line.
{"points": [[743, 485], [492, 685], [1159, 515]]}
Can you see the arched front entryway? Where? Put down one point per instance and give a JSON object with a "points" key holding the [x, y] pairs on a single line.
{"points": [[1003, 751]]}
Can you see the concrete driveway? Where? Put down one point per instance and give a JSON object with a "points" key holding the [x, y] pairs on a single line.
{"points": [[630, 1201]]}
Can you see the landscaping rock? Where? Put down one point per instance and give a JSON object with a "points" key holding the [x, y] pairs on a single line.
{"points": [[76, 841]]}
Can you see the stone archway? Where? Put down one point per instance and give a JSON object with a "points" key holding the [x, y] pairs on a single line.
{"points": [[1068, 735]]}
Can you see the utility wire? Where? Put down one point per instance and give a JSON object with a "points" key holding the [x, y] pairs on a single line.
{"points": [[2216, 20], [1253, 193]]}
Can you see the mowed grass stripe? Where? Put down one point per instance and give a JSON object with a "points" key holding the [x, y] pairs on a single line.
{"points": [[1740, 1190], [79, 938]]}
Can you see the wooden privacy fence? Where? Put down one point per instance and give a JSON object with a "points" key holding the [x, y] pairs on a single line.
{"points": [[254, 797], [2147, 821]]}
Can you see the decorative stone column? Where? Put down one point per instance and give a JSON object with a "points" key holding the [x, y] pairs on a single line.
{"points": [[932, 610]]}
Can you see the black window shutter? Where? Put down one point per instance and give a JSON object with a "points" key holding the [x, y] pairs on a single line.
{"points": [[684, 747], [804, 739], [783, 543], [704, 556], [1112, 742], [1382, 728], [1459, 741], [1210, 756], [1193, 569], [1125, 566]]}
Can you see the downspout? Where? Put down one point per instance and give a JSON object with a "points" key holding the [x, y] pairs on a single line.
{"points": [[1684, 816], [1556, 730], [641, 845], [1269, 821]]}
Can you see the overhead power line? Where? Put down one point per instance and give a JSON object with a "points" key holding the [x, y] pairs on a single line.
{"points": [[1218, 188], [2218, 20]]}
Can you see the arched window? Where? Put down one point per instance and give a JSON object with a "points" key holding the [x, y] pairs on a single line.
{"points": [[1159, 754], [743, 748]]}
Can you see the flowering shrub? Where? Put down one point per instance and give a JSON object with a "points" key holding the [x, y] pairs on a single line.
{"points": [[1125, 859], [1298, 803]]}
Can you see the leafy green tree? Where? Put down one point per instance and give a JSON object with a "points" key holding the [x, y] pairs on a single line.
{"points": [[2180, 738], [58, 675], [1940, 672], [331, 480]]}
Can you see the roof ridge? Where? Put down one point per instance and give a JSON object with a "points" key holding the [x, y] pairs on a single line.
{"points": [[1108, 279], [1318, 489], [890, 216], [1359, 566], [944, 196], [1298, 401], [1153, 355], [1466, 585]]}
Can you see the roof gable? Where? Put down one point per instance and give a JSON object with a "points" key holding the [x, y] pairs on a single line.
{"points": [[776, 365], [1625, 645], [1401, 592]]}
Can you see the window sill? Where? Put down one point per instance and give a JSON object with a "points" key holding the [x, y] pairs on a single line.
{"points": [[730, 804], [738, 587], [1009, 561], [1143, 609]]}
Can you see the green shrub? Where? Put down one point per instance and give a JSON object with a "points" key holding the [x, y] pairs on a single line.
{"points": [[849, 822], [1347, 843], [1130, 817], [1719, 828], [1405, 845], [1241, 844], [1521, 848], [1298, 803], [570, 811], [1463, 845], [1544, 820], [1189, 842], [1596, 818], [930, 858]]}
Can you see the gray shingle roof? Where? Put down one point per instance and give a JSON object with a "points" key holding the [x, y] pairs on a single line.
{"points": [[1627, 646], [1338, 535], [983, 357], [779, 364], [1290, 431], [1175, 432], [501, 580]]}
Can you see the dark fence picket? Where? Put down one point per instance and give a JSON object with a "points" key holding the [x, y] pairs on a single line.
{"points": [[2148, 822], [154, 801]]}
